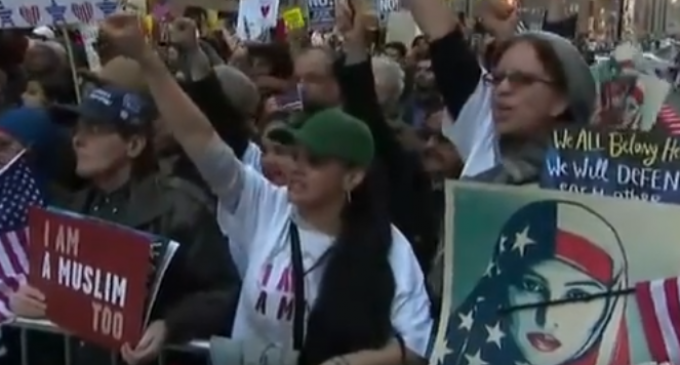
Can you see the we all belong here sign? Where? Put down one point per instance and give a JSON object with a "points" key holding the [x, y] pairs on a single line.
{"points": [[625, 164]]}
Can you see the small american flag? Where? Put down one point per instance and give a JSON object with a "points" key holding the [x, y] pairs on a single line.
{"points": [[669, 119], [18, 191], [291, 100], [659, 304]]}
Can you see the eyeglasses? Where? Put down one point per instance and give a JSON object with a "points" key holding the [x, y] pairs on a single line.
{"points": [[515, 78]]}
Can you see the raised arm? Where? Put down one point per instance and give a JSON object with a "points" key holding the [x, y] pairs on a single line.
{"points": [[203, 87], [192, 130], [433, 17], [559, 21], [455, 66], [355, 76]]}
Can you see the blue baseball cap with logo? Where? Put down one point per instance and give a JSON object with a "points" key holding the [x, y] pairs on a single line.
{"points": [[124, 110]]}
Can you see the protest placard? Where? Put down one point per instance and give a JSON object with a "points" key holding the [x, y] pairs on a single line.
{"points": [[321, 14], [28, 14], [625, 164], [94, 275], [534, 276], [221, 5], [628, 98], [293, 18]]}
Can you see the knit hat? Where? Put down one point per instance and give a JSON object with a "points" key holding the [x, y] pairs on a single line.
{"points": [[581, 88]]}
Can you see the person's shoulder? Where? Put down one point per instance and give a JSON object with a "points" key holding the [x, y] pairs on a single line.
{"points": [[403, 260], [257, 197], [411, 305], [185, 194], [252, 156], [263, 193]]}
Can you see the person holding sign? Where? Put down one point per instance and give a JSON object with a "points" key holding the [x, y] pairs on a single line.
{"points": [[323, 243], [112, 142]]}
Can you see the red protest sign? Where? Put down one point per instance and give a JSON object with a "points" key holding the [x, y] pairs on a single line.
{"points": [[94, 276]]}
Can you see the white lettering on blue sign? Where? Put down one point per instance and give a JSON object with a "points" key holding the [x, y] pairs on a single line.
{"points": [[101, 96], [321, 3]]}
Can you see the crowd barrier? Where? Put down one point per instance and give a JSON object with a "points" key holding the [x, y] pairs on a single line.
{"points": [[25, 325]]}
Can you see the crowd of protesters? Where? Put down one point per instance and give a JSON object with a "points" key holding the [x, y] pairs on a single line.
{"points": [[191, 140]]}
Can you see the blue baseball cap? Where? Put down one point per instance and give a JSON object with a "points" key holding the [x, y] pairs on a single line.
{"points": [[125, 110]]}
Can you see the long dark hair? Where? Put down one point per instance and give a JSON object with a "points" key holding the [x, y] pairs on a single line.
{"points": [[352, 311]]}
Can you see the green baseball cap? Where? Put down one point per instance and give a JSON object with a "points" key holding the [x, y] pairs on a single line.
{"points": [[330, 133]]}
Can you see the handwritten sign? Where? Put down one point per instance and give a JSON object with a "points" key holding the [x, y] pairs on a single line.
{"points": [[625, 164], [293, 18], [321, 13], [94, 276], [89, 34]]}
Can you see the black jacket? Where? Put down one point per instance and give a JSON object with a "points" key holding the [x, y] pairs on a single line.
{"points": [[199, 293], [201, 282], [409, 193]]}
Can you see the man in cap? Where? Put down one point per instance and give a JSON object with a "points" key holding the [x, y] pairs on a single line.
{"points": [[113, 144]]}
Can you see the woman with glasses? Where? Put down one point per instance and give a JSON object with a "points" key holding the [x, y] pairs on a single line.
{"points": [[536, 81], [503, 116]]}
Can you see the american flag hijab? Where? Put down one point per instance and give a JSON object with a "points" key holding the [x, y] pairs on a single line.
{"points": [[546, 251]]}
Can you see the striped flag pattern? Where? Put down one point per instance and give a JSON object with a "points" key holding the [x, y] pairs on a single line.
{"points": [[521, 27], [659, 305], [669, 119], [18, 191]]}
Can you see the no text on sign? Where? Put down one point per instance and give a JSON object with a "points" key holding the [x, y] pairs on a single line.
{"points": [[293, 18]]}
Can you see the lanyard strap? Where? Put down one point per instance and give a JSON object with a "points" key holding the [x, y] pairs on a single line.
{"points": [[298, 287]]}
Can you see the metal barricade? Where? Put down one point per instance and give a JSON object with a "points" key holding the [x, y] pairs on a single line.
{"points": [[25, 325]]}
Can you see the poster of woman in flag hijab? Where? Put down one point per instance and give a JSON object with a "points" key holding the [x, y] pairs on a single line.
{"points": [[548, 278]]}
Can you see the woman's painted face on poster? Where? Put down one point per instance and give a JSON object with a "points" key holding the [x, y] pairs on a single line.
{"points": [[554, 334]]}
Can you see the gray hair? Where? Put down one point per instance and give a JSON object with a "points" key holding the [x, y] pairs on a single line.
{"points": [[389, 73], [238, 88]]}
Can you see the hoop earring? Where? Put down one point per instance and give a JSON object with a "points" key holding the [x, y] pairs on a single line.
{"points": [[348, 196]]}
